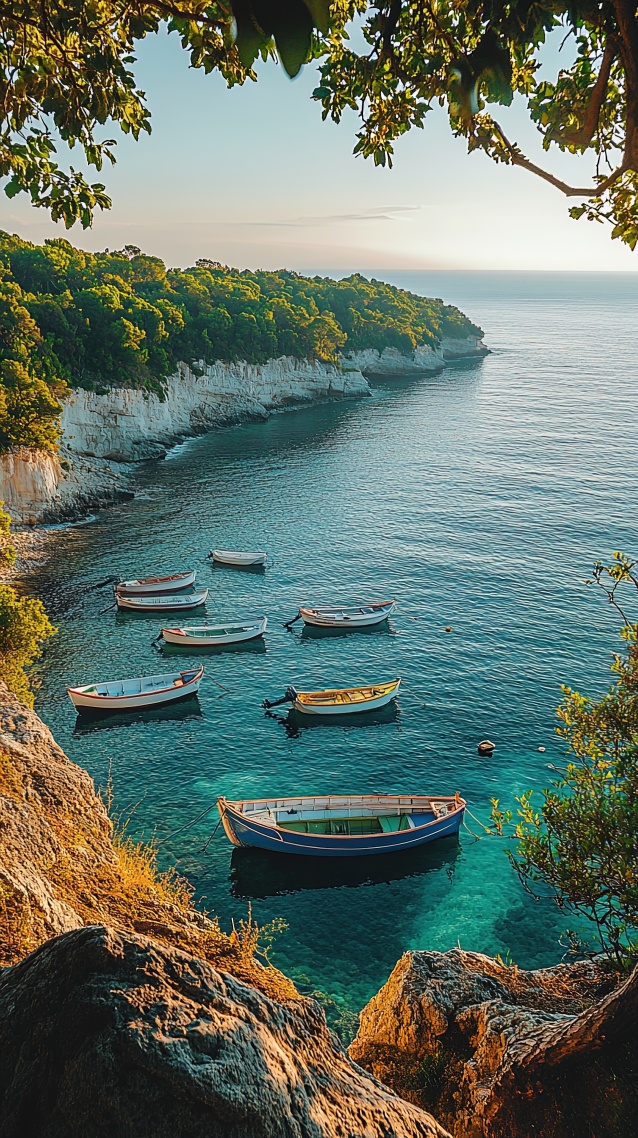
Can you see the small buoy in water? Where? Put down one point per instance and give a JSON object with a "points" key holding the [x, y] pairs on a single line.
{"points": [[448, 628], [485, 747], [541, 748]]}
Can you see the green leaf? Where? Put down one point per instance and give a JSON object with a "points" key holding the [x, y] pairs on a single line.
{"points": [[320, 12]]}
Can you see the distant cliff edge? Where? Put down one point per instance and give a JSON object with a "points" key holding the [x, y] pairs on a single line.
{"points": [[103, 433]]}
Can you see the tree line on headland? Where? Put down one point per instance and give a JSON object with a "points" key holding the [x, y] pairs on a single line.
{"points": [[97, 320]]}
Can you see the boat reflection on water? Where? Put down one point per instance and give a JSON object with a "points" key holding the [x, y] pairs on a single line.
{"points": [[257, 647], [257, 874], [314, 632], [295, 724], [188, 708]]}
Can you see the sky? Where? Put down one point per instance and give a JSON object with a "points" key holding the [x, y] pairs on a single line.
{"points": [[252, 177]]}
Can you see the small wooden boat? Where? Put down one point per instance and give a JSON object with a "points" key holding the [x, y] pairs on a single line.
{"points": [[341, 826], [144, 691], [358, 617], [145, 585], [339, 701], [213, 636], [237, 558], [162, 603]]}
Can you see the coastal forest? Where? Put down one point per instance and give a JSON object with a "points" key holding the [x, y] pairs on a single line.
{"points": [[122, 319]]}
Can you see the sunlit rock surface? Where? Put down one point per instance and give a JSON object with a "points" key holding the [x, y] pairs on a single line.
{"points": [[129, 425], [497, 1052]]}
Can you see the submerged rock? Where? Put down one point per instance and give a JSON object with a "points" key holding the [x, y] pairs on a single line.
{"points": [[498, 1052], [111, 1035]]}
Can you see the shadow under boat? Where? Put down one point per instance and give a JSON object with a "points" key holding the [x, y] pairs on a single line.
{"points": [[223, 566], [295, 723], [178, 712], [256, 874], [314, 632], [257, 647], [123, 616]]}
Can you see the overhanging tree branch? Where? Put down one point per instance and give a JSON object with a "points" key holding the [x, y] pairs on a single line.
{"points": [[517, 158]]}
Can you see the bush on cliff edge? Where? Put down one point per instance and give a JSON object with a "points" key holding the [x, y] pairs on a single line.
{"points": [[24, 624], [581, 841]]}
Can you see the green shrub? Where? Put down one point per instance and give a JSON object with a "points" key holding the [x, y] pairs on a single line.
{"points": [[24, 624]]}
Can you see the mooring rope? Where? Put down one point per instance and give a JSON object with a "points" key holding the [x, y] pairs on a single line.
{"points": [[210, 837], [188, 825]]}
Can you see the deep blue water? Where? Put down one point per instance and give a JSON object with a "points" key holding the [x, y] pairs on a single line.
{"points": [[479, 499]]}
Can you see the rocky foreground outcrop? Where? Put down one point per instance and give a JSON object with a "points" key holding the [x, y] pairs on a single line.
{"points": [[160, 1024], [108, 1035], [497, 1052]]}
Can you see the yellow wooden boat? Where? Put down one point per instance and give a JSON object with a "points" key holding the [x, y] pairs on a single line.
{"points": [[339, 701]]}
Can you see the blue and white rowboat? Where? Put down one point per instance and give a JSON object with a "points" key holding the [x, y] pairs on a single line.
{"points": [[341, 825]]}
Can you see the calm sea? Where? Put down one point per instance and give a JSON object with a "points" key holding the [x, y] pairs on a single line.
{"points": [[479, 499]]}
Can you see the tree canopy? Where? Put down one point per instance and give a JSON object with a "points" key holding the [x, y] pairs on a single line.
{"points": [[67, 72], [96, 320]]}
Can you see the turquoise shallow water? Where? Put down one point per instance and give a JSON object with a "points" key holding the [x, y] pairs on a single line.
{"points": [[480, 499]]}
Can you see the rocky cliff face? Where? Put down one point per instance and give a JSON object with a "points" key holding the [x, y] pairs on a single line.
{"points": [[128, 425], [103, 433], [61, 865], [497, 1052], [37, 486], [391, 363]]}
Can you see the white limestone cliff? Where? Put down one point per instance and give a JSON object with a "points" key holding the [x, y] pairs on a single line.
{"points": [[101, 433], [393, 363], [128, 426]]}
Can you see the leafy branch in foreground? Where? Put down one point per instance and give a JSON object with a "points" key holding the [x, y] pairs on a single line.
{"points": [[67, 71], [582, 841], [467, 57]]}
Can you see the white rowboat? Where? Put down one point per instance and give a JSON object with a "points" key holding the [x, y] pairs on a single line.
{"points": [[360, 617], [210, 636], [163, 604], [143, 691], [145, 585], [236, 557]]}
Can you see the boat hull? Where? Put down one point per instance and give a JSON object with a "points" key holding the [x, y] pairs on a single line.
{"points": [[316, 619], [153, 588], [177, 636], [245, 831], [239, 560], [84, 701], [357, 708], [162, 604]]}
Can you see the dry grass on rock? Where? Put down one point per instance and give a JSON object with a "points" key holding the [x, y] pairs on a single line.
{"points": [[62, 865]]}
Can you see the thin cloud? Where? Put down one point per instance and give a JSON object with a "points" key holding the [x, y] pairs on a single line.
{"points": [[383, 213]]}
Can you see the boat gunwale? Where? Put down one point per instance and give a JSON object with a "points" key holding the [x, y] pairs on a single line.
{"points": [[137, 582], [274, 826], [155, 599], [357, 609], [83, 691], [387, 685], [200, 630]]}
